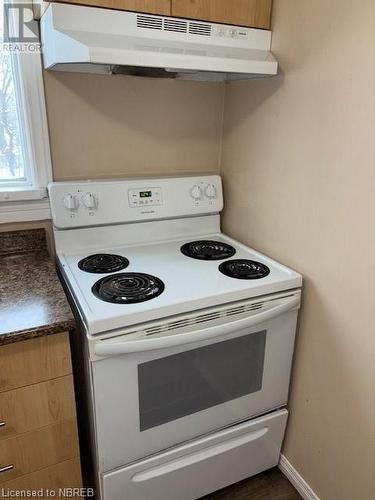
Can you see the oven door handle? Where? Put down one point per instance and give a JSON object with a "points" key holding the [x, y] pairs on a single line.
{"points": [[121, 346]]}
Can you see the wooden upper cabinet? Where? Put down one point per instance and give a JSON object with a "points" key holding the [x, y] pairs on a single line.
{"points": [[253, 13], [162, 7]]}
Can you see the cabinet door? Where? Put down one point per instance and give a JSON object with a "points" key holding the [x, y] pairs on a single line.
{"points": [[38, 449], [254, 13], [64, 475], [34, 361], [36, 406], [151, 6]]}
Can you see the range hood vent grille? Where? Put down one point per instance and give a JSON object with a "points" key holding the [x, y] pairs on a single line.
{"points": [[175, 25], [149, 22], [199, 29]]}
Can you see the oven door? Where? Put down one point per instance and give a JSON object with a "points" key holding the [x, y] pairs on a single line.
{"points": [[156, 392]]}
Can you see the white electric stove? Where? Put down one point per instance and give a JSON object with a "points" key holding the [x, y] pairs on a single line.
{"points": [[187, 336]]}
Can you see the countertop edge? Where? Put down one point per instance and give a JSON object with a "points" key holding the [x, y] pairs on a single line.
{"points": [[40, 331]]}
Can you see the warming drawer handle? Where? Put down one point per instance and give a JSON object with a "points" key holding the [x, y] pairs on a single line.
{"points": [[113, 348], [199, 456]]}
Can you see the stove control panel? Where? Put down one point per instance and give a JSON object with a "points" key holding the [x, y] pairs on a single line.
{"points": [[93, 203], [145, 197]]}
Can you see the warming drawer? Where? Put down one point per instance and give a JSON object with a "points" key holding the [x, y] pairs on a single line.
{"points": [[202, 466]]}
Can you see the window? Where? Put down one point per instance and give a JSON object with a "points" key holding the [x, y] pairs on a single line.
{"points": [[25, 168], [12, 151]]}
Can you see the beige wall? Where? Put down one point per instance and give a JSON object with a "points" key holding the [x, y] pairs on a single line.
{"points": [[114, 126], [106, 126], [299, 175]]}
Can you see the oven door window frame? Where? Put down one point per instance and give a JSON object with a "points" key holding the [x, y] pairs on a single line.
{"points": [[194, 380]]}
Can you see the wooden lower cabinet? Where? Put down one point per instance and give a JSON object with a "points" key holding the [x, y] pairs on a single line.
{"points": [[39, 446], [36, 360], [57, 477], [253, 13], [36, 406], [38, 449], [162, 7]]}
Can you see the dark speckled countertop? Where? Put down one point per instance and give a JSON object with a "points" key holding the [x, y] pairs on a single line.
{"points": [[32, 301]]}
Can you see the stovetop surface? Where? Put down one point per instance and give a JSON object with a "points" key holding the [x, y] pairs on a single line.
{"points": [[189, 284]]}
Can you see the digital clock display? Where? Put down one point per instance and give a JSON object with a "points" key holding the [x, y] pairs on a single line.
{"points": [[145, 194]]}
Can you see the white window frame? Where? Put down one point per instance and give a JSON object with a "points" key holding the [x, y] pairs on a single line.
{"points": [[28, 202]]}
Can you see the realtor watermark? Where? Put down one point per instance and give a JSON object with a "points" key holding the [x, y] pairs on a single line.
{"points": [[19, 30], [48, 493]]}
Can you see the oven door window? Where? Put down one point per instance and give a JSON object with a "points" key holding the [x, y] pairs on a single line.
{"points": [[185, 383]]}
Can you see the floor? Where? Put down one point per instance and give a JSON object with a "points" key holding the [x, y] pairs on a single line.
{"points": [[270, 485]]}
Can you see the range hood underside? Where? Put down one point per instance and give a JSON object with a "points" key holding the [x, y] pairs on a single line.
{"points": [[151, 72]]}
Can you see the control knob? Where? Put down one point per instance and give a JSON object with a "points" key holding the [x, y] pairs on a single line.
{"points": [[70, 202], [210, 191], [196, 192], [90, 201]]}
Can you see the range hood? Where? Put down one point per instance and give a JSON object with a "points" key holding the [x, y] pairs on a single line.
{"points": [[95, 40]]}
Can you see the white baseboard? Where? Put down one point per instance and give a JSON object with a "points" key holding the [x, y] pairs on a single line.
{"points": [[296, 479]]}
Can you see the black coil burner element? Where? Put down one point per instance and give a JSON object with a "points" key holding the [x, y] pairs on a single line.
{"points": [[128, 288], [103, 263], [208, 250], [244, 269]]}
